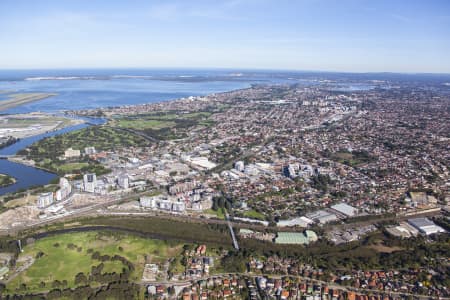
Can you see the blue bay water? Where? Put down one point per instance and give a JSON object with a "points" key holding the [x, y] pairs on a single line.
{"points": [[25, 176], [90, 89]]}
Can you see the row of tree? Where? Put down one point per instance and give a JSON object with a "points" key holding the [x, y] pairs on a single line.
{"points": [[115, 290]]}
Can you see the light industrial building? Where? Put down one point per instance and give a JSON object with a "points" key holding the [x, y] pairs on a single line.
{"points": [[345, 209], [322, 216], [297, 238], [425, 226], [300, 221]]}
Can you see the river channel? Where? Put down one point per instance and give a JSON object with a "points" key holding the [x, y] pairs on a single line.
{"points": [[27, 176]]}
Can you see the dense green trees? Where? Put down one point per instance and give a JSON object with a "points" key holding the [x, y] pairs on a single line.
{"points": [[168, 229], [222, 202], [321, 182], [113, 290], [235, 262], [80, 279], [6, 180]]}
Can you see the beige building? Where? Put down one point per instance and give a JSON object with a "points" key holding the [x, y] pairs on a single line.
{"points": [[69, 153]]}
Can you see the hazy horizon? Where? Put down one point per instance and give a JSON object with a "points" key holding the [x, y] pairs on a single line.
{"points": [[231, 69]]}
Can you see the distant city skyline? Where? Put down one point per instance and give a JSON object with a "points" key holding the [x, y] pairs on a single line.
{"points": [[319, 35]]}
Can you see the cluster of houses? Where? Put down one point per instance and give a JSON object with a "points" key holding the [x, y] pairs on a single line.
{"points": [[286, 289], [411, 281], [198, 264], [406, 281], [220, 287]]}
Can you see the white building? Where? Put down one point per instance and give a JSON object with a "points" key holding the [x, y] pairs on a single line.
{"points": [[298, 170], [123, 181], [182, 187], [90, 150], [45, 199], [202, 163], [148, 202], [239, 166], [162, 203], [89, 182], [64, 189], [178, 206]]}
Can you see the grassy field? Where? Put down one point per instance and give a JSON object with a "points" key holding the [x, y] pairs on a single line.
{"points": [[163, 125], [253, 214], [144, 124], [219, 213], [71, 167], [60, 262], [353, 159]]}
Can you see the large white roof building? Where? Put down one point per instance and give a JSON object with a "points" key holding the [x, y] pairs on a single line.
{"points": [[345, 209], [425, 226]]}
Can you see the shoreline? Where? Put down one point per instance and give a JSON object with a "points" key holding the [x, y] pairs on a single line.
{"points": [[28, 163], [3, 175], [92, 112], [15, 100]]}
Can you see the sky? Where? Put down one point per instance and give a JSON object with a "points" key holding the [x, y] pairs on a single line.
{"points": [[323, 35]]}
